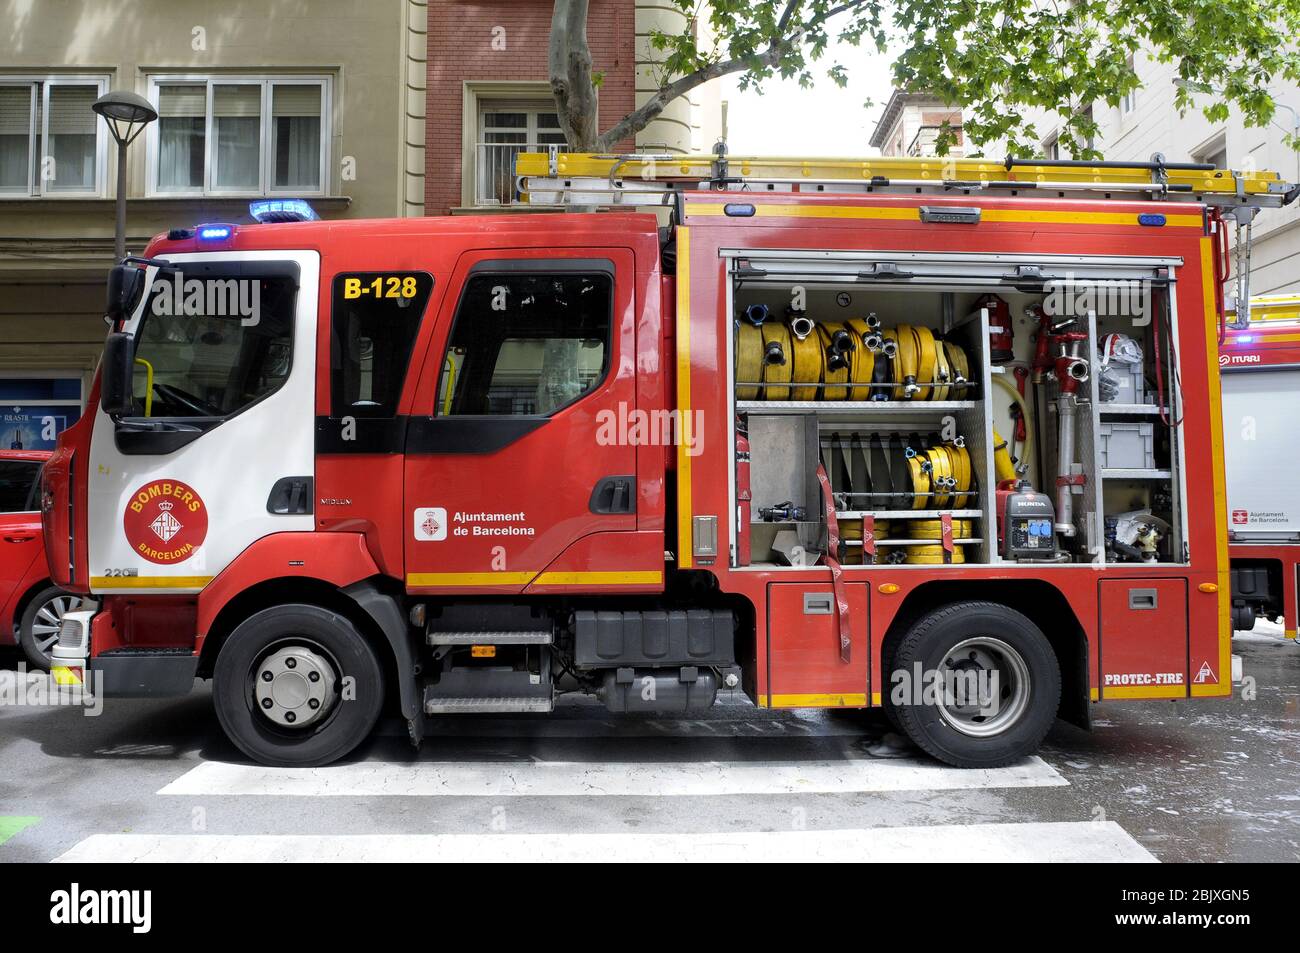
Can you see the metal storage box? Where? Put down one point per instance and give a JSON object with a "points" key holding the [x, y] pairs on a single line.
{"points": [[1127, 446]]}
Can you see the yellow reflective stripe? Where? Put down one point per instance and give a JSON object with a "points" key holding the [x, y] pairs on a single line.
{"points": [[420, 579], [1094, 694], [647, 578], [1217, 470], [686, 439], [913, 214], [1114, 692], [823, 700], [875, 698], [149, 582], [1203, 691]]}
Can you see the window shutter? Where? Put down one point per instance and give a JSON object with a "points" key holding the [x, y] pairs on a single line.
{"points": [[237, 101], [15, 110], [295, 100], [176, 102], [70, 113]]}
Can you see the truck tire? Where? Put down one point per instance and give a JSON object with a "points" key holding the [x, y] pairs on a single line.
{"points": [[38, 629], [976, 638], [297, 686]]}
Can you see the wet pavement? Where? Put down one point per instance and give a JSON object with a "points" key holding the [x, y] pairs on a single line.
{"points": [[1203, 780]]}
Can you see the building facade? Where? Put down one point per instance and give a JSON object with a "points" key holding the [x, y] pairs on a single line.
{"points": [[489, 96], [319, 99], [1146, 122], [912, 123]]}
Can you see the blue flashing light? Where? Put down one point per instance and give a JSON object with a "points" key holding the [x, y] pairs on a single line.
{"points": [[270, 211], [215, 233], [1151, 218], [1245, 338], [738, 209]]}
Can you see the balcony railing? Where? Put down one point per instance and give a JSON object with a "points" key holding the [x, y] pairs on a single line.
{"points": [[494, 173]]}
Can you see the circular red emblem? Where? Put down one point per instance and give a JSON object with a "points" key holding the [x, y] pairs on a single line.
{"points": [[165, 521]]}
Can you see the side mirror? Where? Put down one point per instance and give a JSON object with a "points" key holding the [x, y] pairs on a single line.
{"points": [[125, 286], [115, 375]]}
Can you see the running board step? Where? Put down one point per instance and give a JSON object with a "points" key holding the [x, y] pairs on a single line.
{"points": [[434, 705], [535, 637]]}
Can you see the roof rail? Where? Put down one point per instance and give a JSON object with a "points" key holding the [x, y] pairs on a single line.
{"points": [[642, 179]]}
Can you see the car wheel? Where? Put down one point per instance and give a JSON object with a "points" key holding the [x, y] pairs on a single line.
{"points": [[38, 630], [297, 685], [994, 685]]}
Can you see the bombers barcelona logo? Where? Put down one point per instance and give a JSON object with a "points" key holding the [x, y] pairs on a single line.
{"points": [[165, 521]]}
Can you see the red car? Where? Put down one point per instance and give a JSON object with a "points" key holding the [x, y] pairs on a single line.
{"points": [[31, 607]]}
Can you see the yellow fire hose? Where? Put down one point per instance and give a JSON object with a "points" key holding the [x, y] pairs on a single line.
{"points": [[829, 336], [749, 360], [1027, 451], [778, 362], [807, 362]]}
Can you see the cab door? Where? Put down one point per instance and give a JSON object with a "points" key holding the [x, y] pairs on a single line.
{"points": [[520, 467]]}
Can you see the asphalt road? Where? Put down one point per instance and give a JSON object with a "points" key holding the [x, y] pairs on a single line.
{"points": [[1187, 781]]}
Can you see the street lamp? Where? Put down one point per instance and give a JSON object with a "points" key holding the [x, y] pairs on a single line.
{"points": [[126, 114]]}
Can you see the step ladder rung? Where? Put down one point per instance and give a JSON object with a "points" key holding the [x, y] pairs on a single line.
{"points": [[466, 706], [502, 637]]}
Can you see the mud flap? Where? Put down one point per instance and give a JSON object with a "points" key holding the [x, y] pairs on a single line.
{"points": [[386, 613]]}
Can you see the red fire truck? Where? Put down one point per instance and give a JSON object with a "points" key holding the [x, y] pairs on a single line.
{"points": [[1260, 363], [841, 434]]}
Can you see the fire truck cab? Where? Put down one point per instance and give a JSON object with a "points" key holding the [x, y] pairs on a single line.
{"points": [[839, 436]]}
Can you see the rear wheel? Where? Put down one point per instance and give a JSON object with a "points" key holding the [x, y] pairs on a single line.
{"points": [[990, 685], [297, 685], [38, 630]]}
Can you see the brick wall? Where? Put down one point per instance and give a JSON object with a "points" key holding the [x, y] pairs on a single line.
{"points": [[461, 47]]}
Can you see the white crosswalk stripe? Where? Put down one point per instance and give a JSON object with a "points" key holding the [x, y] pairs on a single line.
{"points": [[601, 778], [1084, 841], [586, 786]]}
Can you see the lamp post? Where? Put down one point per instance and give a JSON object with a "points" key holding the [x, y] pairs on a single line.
{"points": [[126, 115]]}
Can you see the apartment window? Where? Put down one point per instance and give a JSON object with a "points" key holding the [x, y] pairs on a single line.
{"points": [[506, 129], [51, 143], [1214, 153], [240, 135], [1052, 148], [1129, 100]]}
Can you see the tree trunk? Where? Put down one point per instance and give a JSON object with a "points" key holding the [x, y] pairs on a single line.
{"points": [[570, 74]]}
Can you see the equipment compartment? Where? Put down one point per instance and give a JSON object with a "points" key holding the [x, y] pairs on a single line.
{"points": [[915, 448]]}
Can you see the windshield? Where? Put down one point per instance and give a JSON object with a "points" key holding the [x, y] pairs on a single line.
{"points": [[214, 341]]}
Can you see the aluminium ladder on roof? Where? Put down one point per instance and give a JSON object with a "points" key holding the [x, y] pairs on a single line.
{"points": [[643, 179], [640, 179]]}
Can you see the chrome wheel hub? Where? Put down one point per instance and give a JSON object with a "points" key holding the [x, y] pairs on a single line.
{"points": [[294, 686], [986, 688]]}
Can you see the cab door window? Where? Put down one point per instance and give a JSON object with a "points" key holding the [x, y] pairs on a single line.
{"points": [[374, 323], [528, 343]]}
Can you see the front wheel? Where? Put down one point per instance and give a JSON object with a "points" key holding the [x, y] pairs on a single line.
{"points": [[975, 684], [297, 686]]}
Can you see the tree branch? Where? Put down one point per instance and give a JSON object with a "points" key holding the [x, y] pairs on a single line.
{"points": [[638, 119]]}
